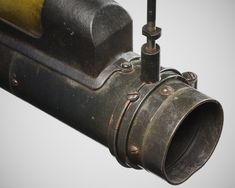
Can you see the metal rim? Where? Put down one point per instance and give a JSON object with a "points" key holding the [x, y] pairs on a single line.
{"points": [[207, 156]]}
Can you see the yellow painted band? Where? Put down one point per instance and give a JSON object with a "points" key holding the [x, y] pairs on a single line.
{"points": [[23, 14]]}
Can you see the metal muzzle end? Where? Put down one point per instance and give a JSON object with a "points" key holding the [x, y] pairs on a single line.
{"points": [[182, 135], [174, 132]]}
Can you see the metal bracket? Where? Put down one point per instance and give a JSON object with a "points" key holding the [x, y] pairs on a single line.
{"points": [[63, 68]]}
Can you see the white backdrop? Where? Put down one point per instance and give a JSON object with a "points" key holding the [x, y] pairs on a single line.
{"points": [[38, 151]]}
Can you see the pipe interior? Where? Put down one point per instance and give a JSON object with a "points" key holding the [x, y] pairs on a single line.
{"points": [[193, 142]]}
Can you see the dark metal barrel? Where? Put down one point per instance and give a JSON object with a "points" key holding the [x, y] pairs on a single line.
{"points": [[167, 127]]}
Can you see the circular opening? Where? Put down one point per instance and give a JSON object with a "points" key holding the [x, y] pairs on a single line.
{"points": [[193, 142]]}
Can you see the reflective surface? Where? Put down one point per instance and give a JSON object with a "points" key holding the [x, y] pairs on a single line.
{"points": [[23, 14]]}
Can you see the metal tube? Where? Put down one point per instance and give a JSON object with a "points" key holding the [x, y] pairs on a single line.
{"points": [[150, 52], [130, 118], [166, 127]]}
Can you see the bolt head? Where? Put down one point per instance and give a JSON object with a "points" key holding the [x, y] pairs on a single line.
{"points": [[126, 67], [133, 96], [167, 90], [134, 150], [14, 82]]}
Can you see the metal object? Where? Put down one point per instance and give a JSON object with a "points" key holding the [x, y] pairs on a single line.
{"points": [[126, 67], [24, 15], [83, 72], [167, 90], [132, 97], [191, 78], [150, 52], [14, 82]]}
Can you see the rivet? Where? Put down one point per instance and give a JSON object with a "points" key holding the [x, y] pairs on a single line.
{"points": [[14, 82], [133, 96], [189, 76], [134, 150], [126, 67], [167, 90]]}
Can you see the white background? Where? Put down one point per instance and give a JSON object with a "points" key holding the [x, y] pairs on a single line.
{"points": [[38, 151]]}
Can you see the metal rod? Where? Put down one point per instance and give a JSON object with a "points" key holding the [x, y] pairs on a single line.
{"points": [[151, 44], [151, 22], [151, 13], [150, 53]]}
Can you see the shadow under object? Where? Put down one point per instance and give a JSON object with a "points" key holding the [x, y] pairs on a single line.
{"points": [[83, 72]]}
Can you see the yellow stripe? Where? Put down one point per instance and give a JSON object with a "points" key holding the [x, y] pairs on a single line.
{"points": [[23, 14]]}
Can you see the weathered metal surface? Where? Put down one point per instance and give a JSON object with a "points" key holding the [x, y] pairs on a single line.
{"points": [[78, 34], [172, 138], [166, 127], [64, 68], [150, 72], [63, 97], [191, 78], [150, 52], [130, 117], [82, 32]]}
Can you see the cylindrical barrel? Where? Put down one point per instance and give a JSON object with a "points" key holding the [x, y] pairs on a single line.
{"points": [[160, 122], [84, 109], [183, 128], [168, 128]]}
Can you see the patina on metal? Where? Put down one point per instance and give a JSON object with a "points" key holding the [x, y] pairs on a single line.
{"points": [[150, 52], [83, 72]]}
